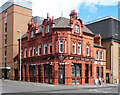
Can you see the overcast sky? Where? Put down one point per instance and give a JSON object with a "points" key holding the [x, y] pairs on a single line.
{"points": [[87, 9]]}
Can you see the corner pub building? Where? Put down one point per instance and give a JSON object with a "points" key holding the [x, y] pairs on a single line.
{"points": [[62, 51]]}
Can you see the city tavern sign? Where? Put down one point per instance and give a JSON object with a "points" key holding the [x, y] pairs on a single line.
{"points": [[82, 59]]}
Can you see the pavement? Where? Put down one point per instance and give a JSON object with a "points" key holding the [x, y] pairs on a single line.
{"points": [[20, 87], [45, 84]]}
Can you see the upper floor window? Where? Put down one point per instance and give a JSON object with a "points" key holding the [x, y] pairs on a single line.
{"points": [[5, 17], [74, 47], [25, 53], [101, 55], [88, 50], [79, 48], [47, 29], [65, 46], [50, 47], [39, 49], [30, 51], [56, 46], [76, 28], [61, 46], [21, 53], [45, 48], [33, 50], [97, 53], [32, 34]]}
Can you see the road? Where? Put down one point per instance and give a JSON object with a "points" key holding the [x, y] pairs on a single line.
{"points": [[25, 87]]}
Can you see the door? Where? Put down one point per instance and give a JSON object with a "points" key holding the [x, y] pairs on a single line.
{"points": [[39, 73], [107, 77], [25, 73], [61, 73], [86, 73]]}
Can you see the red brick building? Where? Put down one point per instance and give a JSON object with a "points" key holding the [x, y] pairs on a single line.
{"points": [[62, 51]]}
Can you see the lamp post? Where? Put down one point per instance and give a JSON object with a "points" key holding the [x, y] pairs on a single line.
{"points": [[20, 52]]}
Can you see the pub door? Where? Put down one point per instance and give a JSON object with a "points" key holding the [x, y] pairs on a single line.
{"points": [[39, 73], [86, 73], [61, 73], [107, 78]]}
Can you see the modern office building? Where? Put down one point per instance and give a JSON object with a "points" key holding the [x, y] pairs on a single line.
{"points": [[14, 15], [62, 51], [108, 27]]}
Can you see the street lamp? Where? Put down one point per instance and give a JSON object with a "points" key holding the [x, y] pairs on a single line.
{"points": [[20, 52]]}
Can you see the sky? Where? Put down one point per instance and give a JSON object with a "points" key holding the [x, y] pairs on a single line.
{"points": [[88, 10]]}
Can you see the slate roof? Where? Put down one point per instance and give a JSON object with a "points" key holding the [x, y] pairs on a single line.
{"points": [[62, 22], [107, 27], [100, 46]]}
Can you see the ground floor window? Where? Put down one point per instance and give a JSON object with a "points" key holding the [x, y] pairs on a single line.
{"points": [[76, 70], [32, 73], [97, 72], [47, 70], [101, 72]]}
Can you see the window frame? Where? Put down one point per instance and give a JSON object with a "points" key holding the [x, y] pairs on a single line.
{"points": [[74, 49], [45, 48], [101, 55], [61, 43], [97, 54], [30, 51], [65, 46], [76, 28], [39, 49], [47, 29], [33, 51], [50, 47], [25, 54], [79, 52], [88, 50], [32, 34]]}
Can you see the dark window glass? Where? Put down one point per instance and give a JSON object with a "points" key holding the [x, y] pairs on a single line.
{"points": [[91, 70], [101, 72], [47, 70], [51, 49], [73, 71], [76, 70]]}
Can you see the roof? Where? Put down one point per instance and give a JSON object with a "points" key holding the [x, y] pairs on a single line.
{"points": [[100, 46], [22, 3], [107, 27], [100, 19], [62, 22]]}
